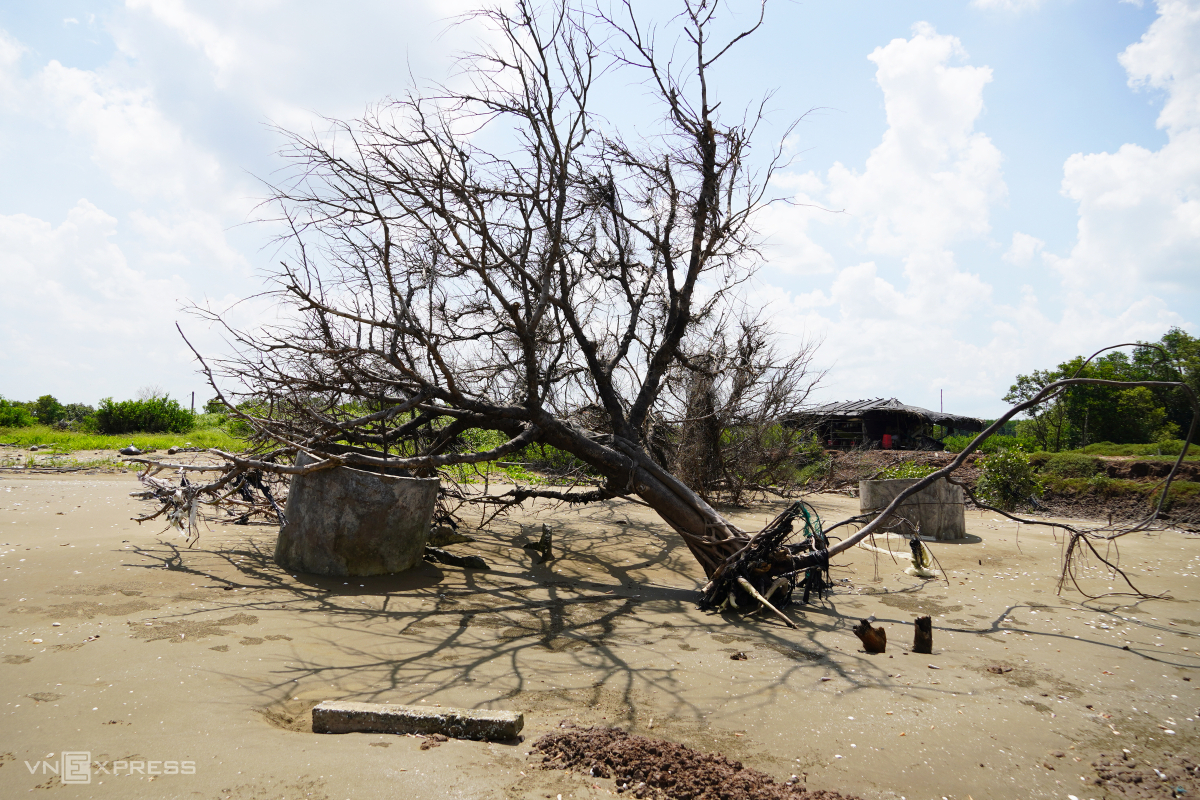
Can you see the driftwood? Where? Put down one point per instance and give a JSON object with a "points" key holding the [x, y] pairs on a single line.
{"points": [[444, 557]]}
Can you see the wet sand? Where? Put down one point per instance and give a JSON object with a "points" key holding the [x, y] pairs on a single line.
{"points": [[214, 656]]}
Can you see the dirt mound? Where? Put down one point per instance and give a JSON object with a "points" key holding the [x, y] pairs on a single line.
{"points": [[1166, 776], [653, 768], [1140, 470]]}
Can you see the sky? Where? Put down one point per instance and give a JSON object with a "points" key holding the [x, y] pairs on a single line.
{"points": [[981, 188]]}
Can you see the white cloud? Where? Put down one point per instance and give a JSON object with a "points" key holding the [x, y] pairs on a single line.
{"points": [[1139, 209], [1023, 249], [76, 312], [933, 178], [91, 301], [142, 151], [95, 315], [10, 57], [218, 47], [929, 184], [910, 320]]}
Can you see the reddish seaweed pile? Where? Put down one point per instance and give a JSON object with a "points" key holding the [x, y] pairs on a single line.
{"points": [[653, 768]]}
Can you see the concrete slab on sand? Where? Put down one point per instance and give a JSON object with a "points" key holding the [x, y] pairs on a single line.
{"points": [[216, 656], [333, 716]]}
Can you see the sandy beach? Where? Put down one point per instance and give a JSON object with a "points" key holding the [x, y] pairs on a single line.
{"points": [[117, 641]]}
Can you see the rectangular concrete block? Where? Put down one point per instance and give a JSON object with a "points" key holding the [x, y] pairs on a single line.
{"points": [[335, 716]]}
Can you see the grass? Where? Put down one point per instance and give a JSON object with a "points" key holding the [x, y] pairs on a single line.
{"points": [[74, 441], [1155, 450]]}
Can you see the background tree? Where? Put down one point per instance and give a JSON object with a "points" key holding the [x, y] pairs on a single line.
{"points": [[48, 410]]}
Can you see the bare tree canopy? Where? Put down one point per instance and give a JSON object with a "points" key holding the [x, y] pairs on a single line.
{"points": [[498, 257]]}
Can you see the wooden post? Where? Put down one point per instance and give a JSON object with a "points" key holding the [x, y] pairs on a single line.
{"points": [[923, 635]]}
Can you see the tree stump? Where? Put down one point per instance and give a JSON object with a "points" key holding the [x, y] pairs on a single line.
{"points": [[923, 635], [936, 511], [874, 640], [345, 522]]}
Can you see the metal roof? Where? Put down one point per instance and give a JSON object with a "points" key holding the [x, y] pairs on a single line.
{"points": [[852, 408]]}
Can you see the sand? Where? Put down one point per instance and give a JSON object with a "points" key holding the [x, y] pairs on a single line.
{"points": [[214, 656]]}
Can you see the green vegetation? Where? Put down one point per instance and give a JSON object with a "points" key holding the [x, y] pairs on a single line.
{"points": [[515, 466], [66, 441], [1007, 480], [1069, 465], [1167, 449], [992, 444], [14, 415], [152, 415], [1085, 415], [907, 469]]}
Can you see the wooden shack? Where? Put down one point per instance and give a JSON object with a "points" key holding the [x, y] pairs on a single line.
{"points": [[886, 424]]}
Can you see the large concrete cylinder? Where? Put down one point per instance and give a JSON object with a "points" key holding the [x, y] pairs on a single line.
{"points": [[936, 511], [345, 521]]}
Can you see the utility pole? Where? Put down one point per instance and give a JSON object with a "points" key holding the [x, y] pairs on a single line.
{"points": [[193, 402], [941, 399]]}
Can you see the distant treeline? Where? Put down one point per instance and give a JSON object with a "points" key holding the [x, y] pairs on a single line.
{"points": [[154, 414], [1086, 415]]}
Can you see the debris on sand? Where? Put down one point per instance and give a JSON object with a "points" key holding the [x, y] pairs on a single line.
{"points": [[1149, 776], [654, 768], [434, 740], [443, 557]]}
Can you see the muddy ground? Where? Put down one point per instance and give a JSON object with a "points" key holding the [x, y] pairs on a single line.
{"points": [[215, 656]]}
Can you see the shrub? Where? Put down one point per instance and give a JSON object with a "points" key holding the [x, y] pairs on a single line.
{"points": [[907, 469], [992, 444], [1038, 460], [14, 415], [152, 415], [1072, 465], [1007, 480]]}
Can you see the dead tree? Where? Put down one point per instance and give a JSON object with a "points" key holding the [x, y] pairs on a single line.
{"points": [[500, 258]]}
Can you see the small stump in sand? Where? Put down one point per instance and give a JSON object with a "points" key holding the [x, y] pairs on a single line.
{"points": [[923, 635], [345, 522], [936, 511], [874, 639]]}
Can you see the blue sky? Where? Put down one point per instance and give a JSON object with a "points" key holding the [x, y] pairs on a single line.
{"points": [[1015, 181]]}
